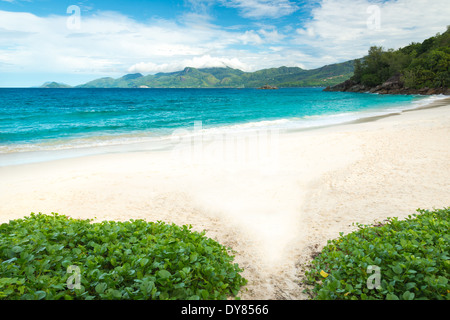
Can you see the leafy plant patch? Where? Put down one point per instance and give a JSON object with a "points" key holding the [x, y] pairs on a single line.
{"points": [[56, 257], [409, 259]]}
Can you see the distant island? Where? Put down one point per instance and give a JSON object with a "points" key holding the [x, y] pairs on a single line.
{"points": [[53, 85], [267, 87], [226, 78], [420, 68]]}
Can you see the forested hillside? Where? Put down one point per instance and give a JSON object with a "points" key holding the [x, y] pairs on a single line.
{"points": [[418, 67], [231, 78]]}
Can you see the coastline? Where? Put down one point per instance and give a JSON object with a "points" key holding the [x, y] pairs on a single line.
{"points": [[435, 104], [55, 149], [274, 217]]}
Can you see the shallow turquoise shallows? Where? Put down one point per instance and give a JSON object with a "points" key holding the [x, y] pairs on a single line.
{"points": [[56, 119]]}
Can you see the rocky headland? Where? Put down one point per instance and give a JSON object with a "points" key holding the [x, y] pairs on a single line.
{"points": [[393, 85]]}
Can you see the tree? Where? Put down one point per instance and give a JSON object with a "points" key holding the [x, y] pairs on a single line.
{"points": [[358, 72], [375, 68], [425, 64]]}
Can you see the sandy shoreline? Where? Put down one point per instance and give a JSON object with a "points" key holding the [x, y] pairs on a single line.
{"points": [[273, 211]]}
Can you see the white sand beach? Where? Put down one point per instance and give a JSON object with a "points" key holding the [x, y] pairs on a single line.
{"points": [[274, 217]]}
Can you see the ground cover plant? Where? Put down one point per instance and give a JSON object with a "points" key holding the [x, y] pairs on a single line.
{"points": [[411, 257], [56, 257]]}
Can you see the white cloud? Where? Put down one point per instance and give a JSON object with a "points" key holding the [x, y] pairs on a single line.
{"points": [[345, 29], [272, 36], [257, 9], [107, 42], [200, 6], [205, 61], [250, 37], [111, 43]]}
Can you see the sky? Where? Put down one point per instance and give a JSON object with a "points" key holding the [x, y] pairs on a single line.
{"points": [[74, 42]]}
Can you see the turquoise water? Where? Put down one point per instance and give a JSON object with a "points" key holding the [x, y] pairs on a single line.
{"points": [[61, 119]]}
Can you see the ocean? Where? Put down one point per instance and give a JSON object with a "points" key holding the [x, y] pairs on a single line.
{"points": [[46, 124]]}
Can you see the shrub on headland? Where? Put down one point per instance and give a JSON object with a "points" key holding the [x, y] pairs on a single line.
{"points": [[403, 260], [56, 257]]}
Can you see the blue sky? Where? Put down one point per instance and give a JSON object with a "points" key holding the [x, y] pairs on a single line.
{"points": [[77, 41]]}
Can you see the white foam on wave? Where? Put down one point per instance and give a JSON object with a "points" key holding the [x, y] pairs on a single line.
{"points": [[309, 121], [420, 102]]}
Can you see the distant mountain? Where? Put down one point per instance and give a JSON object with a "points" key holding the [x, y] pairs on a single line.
{"points": [[53, 85], [132, 76], [231, 78]]}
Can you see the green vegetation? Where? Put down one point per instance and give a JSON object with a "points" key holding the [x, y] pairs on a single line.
{"points": [[116, 260], [413, 257], [420, 65], [232, 78]]}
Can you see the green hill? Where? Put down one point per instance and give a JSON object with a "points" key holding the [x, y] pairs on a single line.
{"points": [[231, 78], [417, 68], [123, 82]]}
